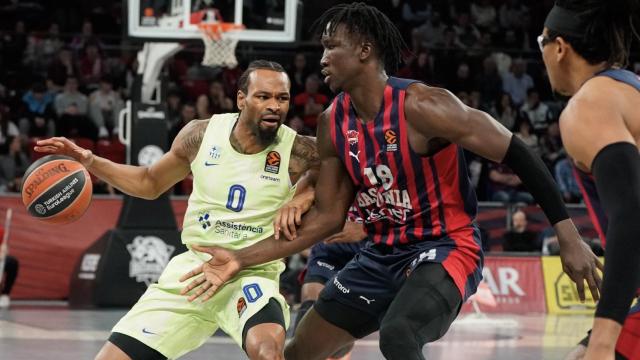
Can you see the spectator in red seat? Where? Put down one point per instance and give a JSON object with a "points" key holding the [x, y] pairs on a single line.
{"points": [[311, 103]]}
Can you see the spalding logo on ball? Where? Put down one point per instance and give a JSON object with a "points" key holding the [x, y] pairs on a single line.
{"points": [[56, 189]]}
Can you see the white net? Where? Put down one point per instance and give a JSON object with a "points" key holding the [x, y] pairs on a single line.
{"points": [[219, 50]]}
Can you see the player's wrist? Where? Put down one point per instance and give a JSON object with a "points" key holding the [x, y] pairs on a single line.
{"points": [[567, 233], [88, 159], [242, 258]]}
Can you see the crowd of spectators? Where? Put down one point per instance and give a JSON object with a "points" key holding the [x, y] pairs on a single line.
{"points": [[67, 70]]}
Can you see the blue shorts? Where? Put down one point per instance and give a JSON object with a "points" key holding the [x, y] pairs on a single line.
{"points": [[327, 259], [372, 279]]}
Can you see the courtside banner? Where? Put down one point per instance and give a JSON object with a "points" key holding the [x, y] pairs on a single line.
{"points": [[515, 283], [561, 292]]}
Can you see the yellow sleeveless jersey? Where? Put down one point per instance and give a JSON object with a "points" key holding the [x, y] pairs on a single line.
{"points": [[236, 196]]}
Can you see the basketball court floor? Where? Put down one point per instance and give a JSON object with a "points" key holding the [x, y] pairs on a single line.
{"points": [[49, 330]]}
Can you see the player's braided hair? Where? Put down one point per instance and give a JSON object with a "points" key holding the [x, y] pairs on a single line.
{"points": [[368, 23], [612, 27]]}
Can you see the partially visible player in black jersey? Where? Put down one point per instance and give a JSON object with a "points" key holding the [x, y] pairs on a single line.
{"points": [[585, 45]]}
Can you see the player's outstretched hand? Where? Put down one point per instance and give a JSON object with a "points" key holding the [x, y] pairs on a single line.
{"points": [[222, 267], [578, 261], [289, 217], [351, 233], [64, 146]]}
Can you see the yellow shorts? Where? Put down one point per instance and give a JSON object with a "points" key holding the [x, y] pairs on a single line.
{"points": [[167, 322]]}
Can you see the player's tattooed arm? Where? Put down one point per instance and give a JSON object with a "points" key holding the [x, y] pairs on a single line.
{"points": [[304, 157], [187, 143]]}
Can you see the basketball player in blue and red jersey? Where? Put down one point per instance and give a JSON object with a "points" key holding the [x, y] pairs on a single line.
{"points": [[395, 146], [628, 344], [585, 45]]}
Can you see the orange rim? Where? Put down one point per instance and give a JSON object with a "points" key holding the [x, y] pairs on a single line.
{"points": [[215, 29]]}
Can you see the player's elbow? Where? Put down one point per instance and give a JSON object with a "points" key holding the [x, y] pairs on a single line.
{"points": [[334, 223], [149, 188], [149, 196]]}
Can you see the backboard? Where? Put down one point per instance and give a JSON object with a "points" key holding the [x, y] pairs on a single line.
{"points": [[172, 20]]}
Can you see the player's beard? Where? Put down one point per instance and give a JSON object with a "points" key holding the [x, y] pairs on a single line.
{"points": [[265, 137]]}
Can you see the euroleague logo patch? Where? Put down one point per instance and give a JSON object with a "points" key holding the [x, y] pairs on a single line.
{"points": [[392, 140], [272, 164], [241, 306]]}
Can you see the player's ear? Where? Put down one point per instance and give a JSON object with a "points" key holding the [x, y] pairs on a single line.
{"points": [[241, 100], [562, 48], [366, 50]]}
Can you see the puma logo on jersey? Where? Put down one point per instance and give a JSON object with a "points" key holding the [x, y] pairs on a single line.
{"points": [[355, 156], [369, 301]]}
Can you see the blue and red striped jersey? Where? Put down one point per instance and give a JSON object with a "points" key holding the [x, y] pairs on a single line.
{"points": [[586, 182], [402, 197]]}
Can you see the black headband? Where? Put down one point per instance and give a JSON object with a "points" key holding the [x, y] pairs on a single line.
{"points": [[566, 22]]}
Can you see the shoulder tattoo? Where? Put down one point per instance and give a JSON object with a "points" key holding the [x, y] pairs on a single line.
{"points": [[190, 138], [304, 154]]}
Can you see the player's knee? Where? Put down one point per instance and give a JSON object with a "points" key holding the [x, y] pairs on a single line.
{"points": [[398, 340], [291, 350], [111, 352], [268, 349], [343, 351], [304, 307]]}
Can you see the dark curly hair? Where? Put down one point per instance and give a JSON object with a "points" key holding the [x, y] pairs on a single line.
{"points": [[369, 24]]}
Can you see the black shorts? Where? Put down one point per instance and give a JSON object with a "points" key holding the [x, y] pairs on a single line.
{"points": [[368, 284], [327, 259]]}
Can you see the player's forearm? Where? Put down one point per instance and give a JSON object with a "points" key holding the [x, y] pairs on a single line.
{"points": [[306, 184], [315, 227], [131, 180], [616, 169], [537, 179]]}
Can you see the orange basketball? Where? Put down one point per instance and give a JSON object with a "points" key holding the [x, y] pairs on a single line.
{"points": [[56, 189]]}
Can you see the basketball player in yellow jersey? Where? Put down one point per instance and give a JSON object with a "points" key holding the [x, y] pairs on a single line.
{"points": [[239, 164]]}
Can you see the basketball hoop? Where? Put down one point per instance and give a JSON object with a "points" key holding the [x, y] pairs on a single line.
{"points": [[219, 47]]}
